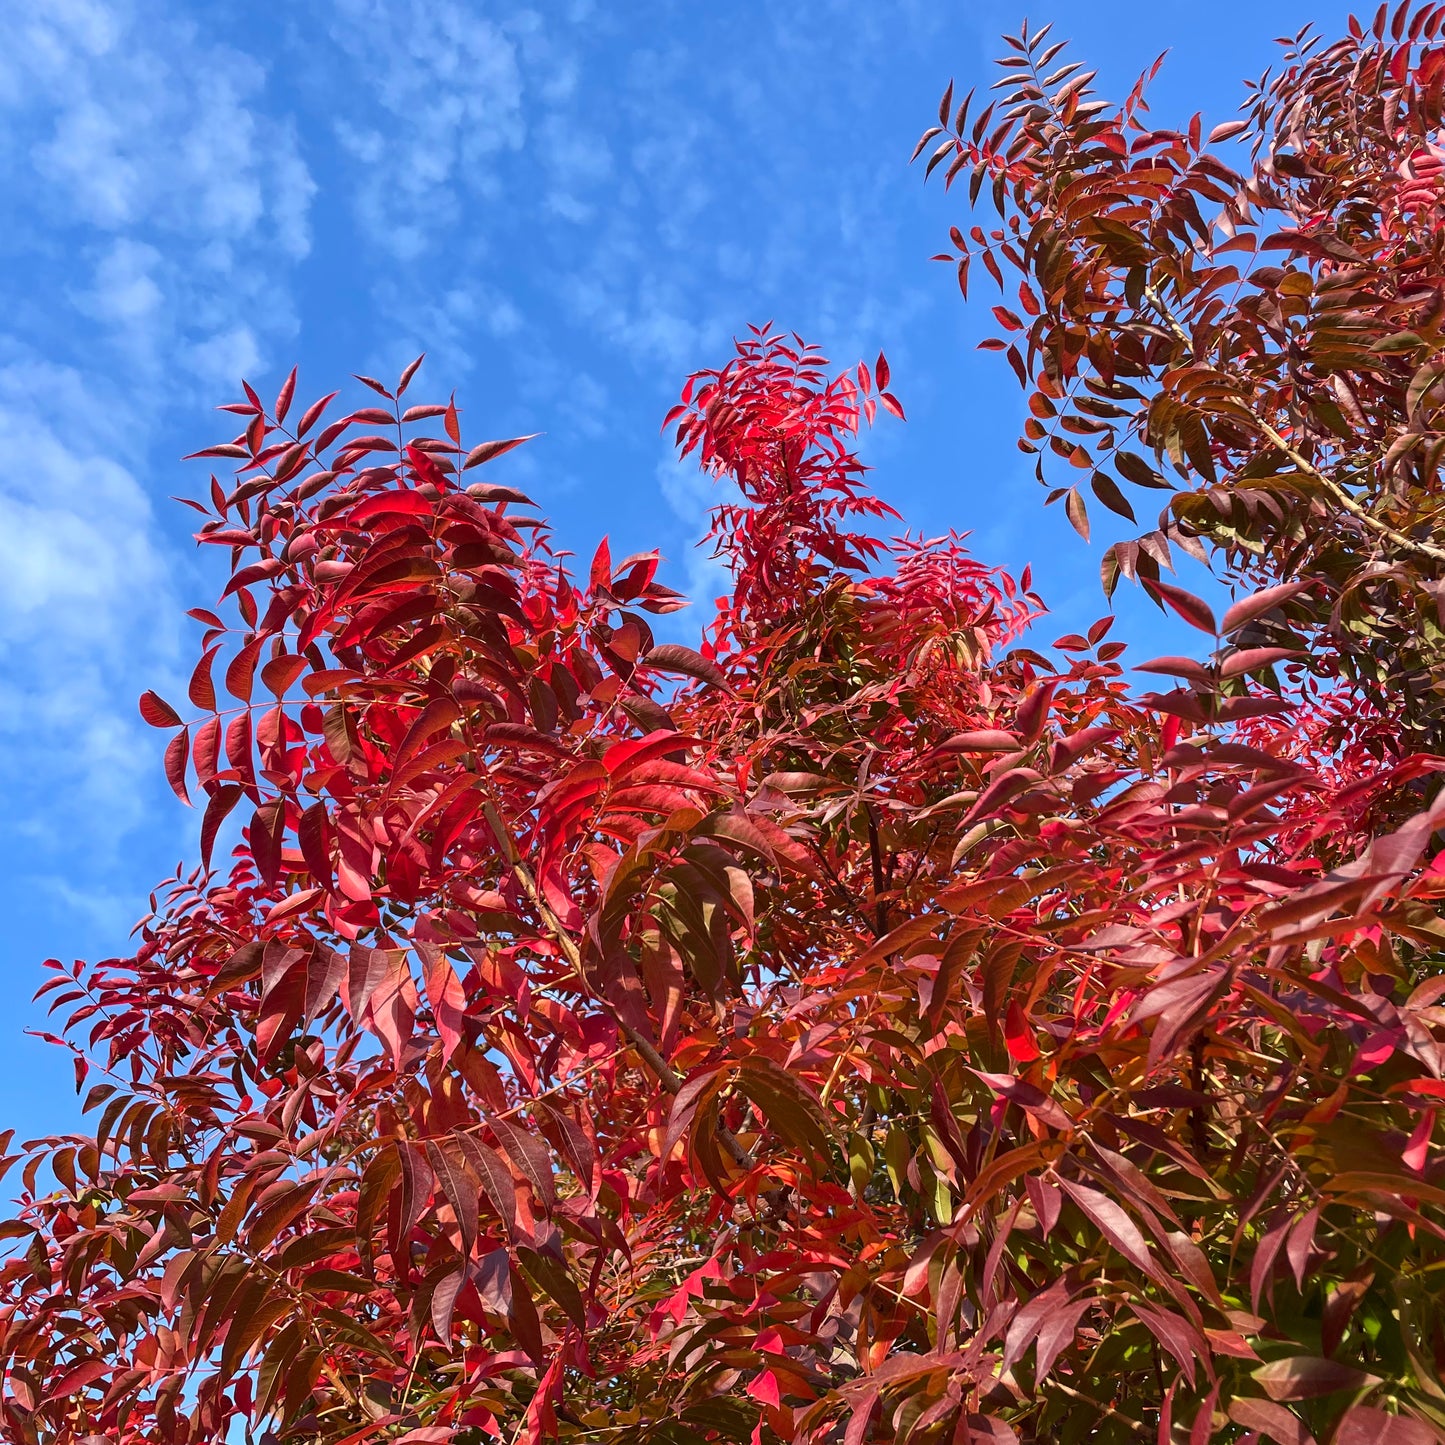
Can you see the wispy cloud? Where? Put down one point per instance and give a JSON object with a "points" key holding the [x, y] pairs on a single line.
{"points": [[83, 596], [149, 147], [158, 210], [446, 95]]}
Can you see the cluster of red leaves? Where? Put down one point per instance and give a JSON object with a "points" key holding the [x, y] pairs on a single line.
{"points": [[866, 1028], [1277, 368], [887, 1033]]}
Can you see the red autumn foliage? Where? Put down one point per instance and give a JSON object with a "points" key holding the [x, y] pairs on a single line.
{"points": [[866, 1028]]}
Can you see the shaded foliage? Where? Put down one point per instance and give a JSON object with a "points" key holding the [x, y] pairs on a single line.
{"points": [[1262, 340]]}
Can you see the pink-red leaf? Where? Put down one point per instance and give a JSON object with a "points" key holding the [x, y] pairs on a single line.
{"points": [[1306, 1377], [487, 451], [1194, 610], [1248, 608], [178, 752], [241, 674]]}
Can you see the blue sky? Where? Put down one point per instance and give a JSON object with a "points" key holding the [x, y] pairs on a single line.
{"points": [[568, 207]]}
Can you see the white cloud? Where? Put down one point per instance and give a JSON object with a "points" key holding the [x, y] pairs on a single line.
{"points": [[225, 356], [140, 122], [578, 161], [129, 130], [153, 192], [83, 157], [84, 602], [449, 84], [125, 291]]}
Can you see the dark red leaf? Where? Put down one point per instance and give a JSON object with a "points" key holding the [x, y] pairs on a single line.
{"points": [[1248, 608], [283, 399], [202, 690], [223, 800], [158, 712], [1368, 1425]]}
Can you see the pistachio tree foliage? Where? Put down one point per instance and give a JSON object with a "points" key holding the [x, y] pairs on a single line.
{"points": [[869, 1026]]}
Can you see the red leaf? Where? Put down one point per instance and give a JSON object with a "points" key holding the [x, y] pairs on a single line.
{"points": [[178, 752], [393, 1006], [1185, 667], [207, 751], [1029, 1097], [313, 412], [600, 574], [1019, 1035], [449, 1163], [77, 1379], [1078, 513], [202, 690], [443, 1306], [764, 1386], [222, 801], [1175, 1333], [496, 1179], [241, 674], [673, 657], [1227, 130], [283, 399], [488, 450], [1417, 1149], [312, 835], [365, 970], [408, 373], [1306, 1377], [1056, 1334], [1366, 1425], [447, 999], [238, 746], [1248, 608], [324, 975], [1194, 610], [281, 672], [1253, 658], [226, 449], [268, 824], [1113, 1224], [1274, 1421], [530, 1155], [984, 740], [158, 712]]}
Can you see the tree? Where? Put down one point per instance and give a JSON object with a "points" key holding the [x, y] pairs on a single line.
{"points": [[865, 1027]]}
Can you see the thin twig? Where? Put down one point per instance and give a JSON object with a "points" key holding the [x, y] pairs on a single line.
{"points": [[1099, 1405]]}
